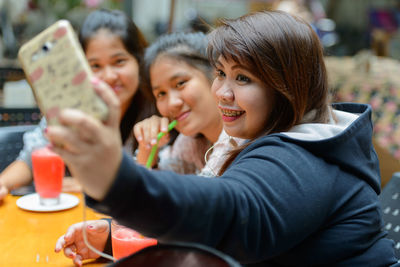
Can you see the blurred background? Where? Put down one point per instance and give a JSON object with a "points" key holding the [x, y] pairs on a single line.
{"points": [[346, 27], [361, 40]]}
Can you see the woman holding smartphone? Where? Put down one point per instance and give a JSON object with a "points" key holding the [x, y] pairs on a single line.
{"points": [[179, 75], [302, 192], [114, 48]]}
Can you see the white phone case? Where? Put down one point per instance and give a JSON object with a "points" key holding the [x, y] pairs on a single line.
{"points": [[59, 74]]}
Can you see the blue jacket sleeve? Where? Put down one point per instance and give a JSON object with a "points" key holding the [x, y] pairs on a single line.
{"points": [[274, 197]]}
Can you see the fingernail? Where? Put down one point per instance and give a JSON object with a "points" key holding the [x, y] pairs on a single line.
{"points": [[90, 227], [45, 130], [163, 129], [139, 138], [153, 142]]}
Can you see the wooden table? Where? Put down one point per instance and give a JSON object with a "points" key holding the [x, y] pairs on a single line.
{"points": [[28, 238]]}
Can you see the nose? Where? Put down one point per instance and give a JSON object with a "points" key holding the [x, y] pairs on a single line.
{"points": [[224, 93], [175, 101], [108, 75]]}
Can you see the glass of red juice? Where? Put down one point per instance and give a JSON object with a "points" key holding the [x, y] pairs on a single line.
{"points": [[126, 241], [48, 174]]}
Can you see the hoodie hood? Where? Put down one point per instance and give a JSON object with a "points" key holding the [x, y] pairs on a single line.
{"points": [[346, 141]]}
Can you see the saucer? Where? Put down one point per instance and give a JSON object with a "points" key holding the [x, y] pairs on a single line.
{"points": [[31, 202]]}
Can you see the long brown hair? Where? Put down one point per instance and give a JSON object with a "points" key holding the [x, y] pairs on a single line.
{"points": [[285, 53]]}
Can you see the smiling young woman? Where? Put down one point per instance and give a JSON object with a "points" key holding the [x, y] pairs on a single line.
{"points": [[302, 192], [179, 76]]}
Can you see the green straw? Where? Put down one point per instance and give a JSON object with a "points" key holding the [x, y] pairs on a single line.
{"points": [[155, 147]]}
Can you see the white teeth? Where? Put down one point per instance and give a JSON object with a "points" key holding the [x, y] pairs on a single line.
{"points": [[232, 113]]}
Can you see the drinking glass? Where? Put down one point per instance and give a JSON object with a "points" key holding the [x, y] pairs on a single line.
{"points": [[126, 241], [48, 173]]}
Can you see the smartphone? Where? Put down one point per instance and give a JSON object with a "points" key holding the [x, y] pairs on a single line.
{"points": [[59, 74]]}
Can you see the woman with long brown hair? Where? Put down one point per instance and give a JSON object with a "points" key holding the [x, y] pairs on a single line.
{"points": [[302, 192]]}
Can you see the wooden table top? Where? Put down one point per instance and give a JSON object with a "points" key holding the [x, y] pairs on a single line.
{"points": [[28, 238]]}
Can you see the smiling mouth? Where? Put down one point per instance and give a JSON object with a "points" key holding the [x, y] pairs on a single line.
{"points": [[182, 116], [229, 115], [116, 88], [232, 113]]}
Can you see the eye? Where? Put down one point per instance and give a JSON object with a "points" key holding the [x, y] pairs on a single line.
{"points": [[180, 84], [219, 73], [243, 79], [120, 61], [159, 94], [95, 67]]}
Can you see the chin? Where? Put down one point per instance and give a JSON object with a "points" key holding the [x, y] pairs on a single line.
{"points": [[187, 132]]}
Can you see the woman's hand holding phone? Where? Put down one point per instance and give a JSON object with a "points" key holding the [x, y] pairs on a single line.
{"points": [[92, 149]]}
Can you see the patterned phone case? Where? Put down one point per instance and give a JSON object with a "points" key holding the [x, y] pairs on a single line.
{"points": [[59, 74]]}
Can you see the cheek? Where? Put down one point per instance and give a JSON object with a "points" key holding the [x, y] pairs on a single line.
{"points": [[214, 88], [162, 107], [190, 97], [129, 74], [200, 94], [208, 101], [131, 78], [260, 111]]}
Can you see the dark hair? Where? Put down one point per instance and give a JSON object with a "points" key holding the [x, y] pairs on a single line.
{"points": [[284, 52], [117, 23], [190, 48]]}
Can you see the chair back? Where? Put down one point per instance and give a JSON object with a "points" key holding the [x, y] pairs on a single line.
{"points": [[11, 143], [390, 202], [177, 255]]}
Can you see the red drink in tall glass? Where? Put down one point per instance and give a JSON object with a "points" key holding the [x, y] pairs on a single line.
{"points": [[48, 173]]}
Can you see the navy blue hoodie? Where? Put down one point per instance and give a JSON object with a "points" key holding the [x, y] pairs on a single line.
{"points": [[307, 197]]}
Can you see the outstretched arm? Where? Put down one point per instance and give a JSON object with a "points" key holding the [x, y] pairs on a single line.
{"points": [[15, 175], [91, 149]]}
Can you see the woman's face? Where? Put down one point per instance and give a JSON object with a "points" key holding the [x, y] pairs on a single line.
{"points": [[244, 102], [113, 64], [183, 93]]}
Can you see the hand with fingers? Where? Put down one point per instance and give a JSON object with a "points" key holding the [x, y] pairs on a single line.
{"points": [[73, 245], [92, 149], [146, 133]]}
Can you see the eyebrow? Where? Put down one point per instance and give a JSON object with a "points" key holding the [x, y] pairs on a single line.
{"points": [[176, 76], [119, 54], [218, 64]]}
